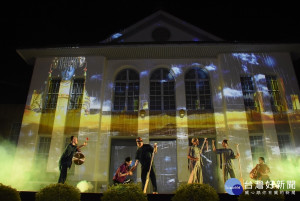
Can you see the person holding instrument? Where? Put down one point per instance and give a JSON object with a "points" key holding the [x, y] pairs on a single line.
{"points": [[65, 160], [260, 171], [144, 155], [195, 162]]}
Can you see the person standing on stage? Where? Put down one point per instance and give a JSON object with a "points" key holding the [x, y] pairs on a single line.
{"points": [[260, 171], [144, 155], [226, 154], [195, 162], [122, 172], [65, 160]]}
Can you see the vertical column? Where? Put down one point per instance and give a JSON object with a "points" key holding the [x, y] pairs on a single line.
{"points": [[57, 138], [102, 152], [220, 108], [182, 131], [90, 118], [143, 118]]}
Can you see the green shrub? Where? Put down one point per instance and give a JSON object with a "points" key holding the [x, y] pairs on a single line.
{"points": [[263, 194], [124, 192], [58, 192], [195, 192], [9, 193]]}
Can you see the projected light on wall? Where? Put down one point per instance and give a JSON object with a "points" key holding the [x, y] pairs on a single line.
{"points": [[221, 80], [67, 66], [211, 67]]}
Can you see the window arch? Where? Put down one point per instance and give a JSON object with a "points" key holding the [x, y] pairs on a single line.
{"points": [[162, 90], [126, 91], [197, 90], [200, 113]]}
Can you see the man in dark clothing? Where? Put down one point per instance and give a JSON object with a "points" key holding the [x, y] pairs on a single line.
{"points": [[65, 160], [144, 155], [226, 154]]}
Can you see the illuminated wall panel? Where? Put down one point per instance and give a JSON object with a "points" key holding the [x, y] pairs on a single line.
{"points": [[107, 108]]}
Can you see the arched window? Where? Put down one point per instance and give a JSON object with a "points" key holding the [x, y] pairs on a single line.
{"points": [[200, 113], [162, 90], [197, 89], [162, 103], [124, 116], [126, 91]]}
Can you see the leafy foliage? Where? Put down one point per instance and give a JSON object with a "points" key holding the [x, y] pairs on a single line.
{"points": [[9, 193], [124, 192], [196, 192], [58, 192]]}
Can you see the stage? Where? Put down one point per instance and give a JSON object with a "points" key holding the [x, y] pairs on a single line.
{"points": [[30, 196]]}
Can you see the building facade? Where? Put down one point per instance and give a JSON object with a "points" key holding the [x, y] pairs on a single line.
{"points": [[143, 82]]}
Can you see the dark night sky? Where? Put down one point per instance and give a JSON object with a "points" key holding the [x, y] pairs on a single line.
{"points": [[69, 23]]}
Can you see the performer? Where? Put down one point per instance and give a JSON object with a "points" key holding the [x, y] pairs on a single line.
{"points": [[65, 160], [144, 155], [226, 154], [122, 172], [260, 171], [195, 162]]}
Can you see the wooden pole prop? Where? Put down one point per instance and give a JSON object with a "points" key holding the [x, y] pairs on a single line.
{"points": [[241, 177], [192, 173], [148, 174]]}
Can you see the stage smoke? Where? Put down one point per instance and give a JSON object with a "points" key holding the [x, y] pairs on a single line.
{"points": [[84, 186], [21, 173]]}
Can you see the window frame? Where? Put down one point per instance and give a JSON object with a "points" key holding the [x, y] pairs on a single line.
{"points": [[199, 96], [49, 104], [127, 96], [275, 93], [163, 92], [75, 106]]}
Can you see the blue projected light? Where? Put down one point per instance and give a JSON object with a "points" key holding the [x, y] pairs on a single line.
{"points": [[245, 68], [253, 59], [116, 35], [177, 71], [249, 58], [144, 73], [94, 102], [246, 59], [167, 158], [260, 81], [110, 85], [106, 105], [260, 77], [96, 77], [68, 73], [231, 93], [211, 67], [270, 61], [196, 64]]}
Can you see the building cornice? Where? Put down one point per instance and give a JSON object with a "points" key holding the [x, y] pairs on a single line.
{"points": [[178, 50]]}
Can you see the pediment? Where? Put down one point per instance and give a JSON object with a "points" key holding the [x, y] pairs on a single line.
{"points": [[161, 27]]}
